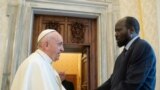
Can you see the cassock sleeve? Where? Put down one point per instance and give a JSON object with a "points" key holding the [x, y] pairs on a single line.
{"points": [[140, 65]]}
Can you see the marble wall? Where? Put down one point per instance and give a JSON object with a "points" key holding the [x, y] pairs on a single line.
{"points": [[3, 35], [8, 16]]}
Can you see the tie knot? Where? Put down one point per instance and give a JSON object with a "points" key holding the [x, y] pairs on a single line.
{"points": [[124, 50]]}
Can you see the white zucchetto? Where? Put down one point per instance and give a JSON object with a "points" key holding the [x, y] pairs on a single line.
{"points": [[44, 33]]}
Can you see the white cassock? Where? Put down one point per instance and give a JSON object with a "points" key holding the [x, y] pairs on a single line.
{"points": [[36, 73]]}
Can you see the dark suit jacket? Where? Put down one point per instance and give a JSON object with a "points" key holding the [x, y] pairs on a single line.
{"points": [[68, 85], [134, 69]]}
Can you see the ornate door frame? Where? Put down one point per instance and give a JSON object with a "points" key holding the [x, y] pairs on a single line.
{"points": [[100, 10]]}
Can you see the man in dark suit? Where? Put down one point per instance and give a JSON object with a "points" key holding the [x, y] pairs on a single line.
{"points": [[67, 84], [135, 67]]}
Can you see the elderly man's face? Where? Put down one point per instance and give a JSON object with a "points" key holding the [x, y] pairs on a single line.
{"points": [[121, 33], [55, 46]]}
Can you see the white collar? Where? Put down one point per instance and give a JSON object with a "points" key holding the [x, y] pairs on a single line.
{"points": [[44, 56], [130, 42]]}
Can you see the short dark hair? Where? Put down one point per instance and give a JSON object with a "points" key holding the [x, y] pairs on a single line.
{"points": [[132, 22]]}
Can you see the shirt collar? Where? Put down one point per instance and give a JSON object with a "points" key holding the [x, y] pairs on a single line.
{"points": [[130, 42], [44, 56]]}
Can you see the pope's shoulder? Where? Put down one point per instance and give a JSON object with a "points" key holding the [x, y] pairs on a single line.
{"points": [[32, 60]]}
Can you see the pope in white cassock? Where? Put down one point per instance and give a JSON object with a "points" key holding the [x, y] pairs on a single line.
{"points": [[36, 72]]}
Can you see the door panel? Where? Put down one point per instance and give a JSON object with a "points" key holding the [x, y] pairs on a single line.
{"points": [[76, 33], [73, 30]]}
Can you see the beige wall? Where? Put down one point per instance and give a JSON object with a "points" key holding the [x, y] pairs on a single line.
{"points": [[146, 12], [131, 8], [70, 64], [151, 30], [158, 60]]}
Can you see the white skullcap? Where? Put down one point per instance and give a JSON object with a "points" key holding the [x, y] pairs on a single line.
{"points": [[44, 33]]}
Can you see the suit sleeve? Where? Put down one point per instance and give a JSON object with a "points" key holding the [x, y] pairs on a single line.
{"points": [[106, 85], [141, 61]]}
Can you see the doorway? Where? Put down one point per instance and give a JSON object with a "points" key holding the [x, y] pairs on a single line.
{"points": [[69, 68], [74, 63], [80, 36]]}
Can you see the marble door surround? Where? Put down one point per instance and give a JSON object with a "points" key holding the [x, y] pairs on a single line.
{"points": [[102, 11]]}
